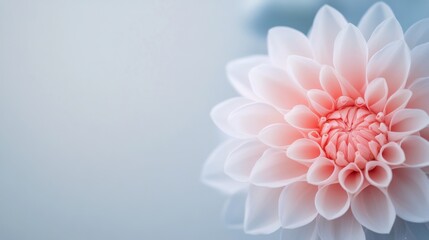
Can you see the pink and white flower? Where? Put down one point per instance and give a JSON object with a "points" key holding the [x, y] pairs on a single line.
{"points": [[330, 133]]}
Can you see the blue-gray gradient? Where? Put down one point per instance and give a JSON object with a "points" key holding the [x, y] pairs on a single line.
{"points": [[104, 123]]}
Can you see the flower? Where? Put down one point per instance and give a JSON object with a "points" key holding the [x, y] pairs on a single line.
{"points": [[330, 134]]}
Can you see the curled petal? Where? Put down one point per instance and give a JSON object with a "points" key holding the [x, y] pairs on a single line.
{"points": [[260, 217], [304, 150], [320, 101], [388, 31], [279, 135], [241, 160], [332, 201], [420, 96], [302, 118], [419, 69], [373, 17], [396, 102], [376, 94], [238, 73], [305, 71], [406, 122], [330, 82], [275, 169], [296, 205], [323, 171], [351, 178], [378, 174], [275, 86], [344, 227], [374, 210], [284, 41], [416, 151], [410, 194], [418, 33], [391, 154]]}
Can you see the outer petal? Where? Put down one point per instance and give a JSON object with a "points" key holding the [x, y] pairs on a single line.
{"points": [[279, 135], [419, 69], [330, 82], [373, 17], [410, 194], [238, 73], [327, 24], [332, 201], [376, 95], [305, 71], [420, 96], [351, 56], [321, 101], [306, 232], [213, 173], [261, 214], [396, 102], [418, 33], [304, 150], [303, 118], [275, 169], [345, 227], [416, 151], [284, 41], [276, 87], [233, 210], [296, 206], [388, 31], [374, 210], [406, 122]]}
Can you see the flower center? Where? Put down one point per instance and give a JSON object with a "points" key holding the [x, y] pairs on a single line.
{"points": [[352, 133]]}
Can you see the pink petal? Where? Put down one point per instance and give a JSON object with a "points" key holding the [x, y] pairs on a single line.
{"points": [[391, 154], [376, 95], [261, 214], [396, 102], [241, 160], [418, 69], [378, 174], [252, 118], [213, 171], [327, 24], [238, 73], [284, 41], [275, 169], [391, 63], [276, 87], [351, 56], [420, 96], [410, 194], [296, 205], [221, 112], [321, 101], [406, 122], [330, 82], [388, 31], [279, 135], [351, 178], [302, 118], [304, 150], [345, 227], [332, 201], [305, 71], [307, 232], [416, 151], [323, 171], [418, 33], [374, 210], [373, 17]]}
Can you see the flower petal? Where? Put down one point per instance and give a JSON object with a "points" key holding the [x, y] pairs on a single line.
{"points": [[388, 31], [345, 227], [376, 94], [391, 154], [396, 102], [330, 82], [410, 194], [233, 210], [321, 101], [304, 150], [420, 94], [307, 232], [275, 169], [374, 210], [378, 173], [375, 15], [406, 122], [252, 118], [351, 56], [391, 63], [332, 201], [238, 73], [241, 160], [302, 117], [285, 41], [261, 211], [323, 171], [326, 26], [279, 135], [419, 69], [276, 87], [351, 178], [416, 151], [296, 205], [418, 33], [305, 71], [213, 174]]}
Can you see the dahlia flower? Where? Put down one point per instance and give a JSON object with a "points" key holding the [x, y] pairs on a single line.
{"points": [[330, 133]]}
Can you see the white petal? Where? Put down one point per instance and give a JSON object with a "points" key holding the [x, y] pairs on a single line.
{"points": [[221, 112], [351, 56], [388, 31], [419, 69], [296, 205], [345, 227], [238, 73], [321, 101], [376, 94], [252, 118], [396, 102], [284, 41], [327, 24], [373, 17], [330, 82], [391, 63], [276, 87], [261, 214], [323, 171], [305, 71], [241, 160], [374, 210], [420, 96], [416, 151], [279, 135], [275, 169], [351, 178], [410, 194], [306, 232], [332, 201], [418, 33], [304, 150], [378, 173], [406, 122], [213, 171], [233, 210], [302, 117], [391, 154]]}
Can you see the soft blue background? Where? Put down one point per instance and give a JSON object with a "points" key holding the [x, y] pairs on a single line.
{"points": [[104, 122]]}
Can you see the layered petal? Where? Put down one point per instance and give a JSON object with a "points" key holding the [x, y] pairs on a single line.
{"points": [[304, 150], [233, 210], [279, 135], [351, 178], [332, 201], [330, 82], [406, 122], [303, 118], [376, 95], [307, 232], [420, 96], [373, 17], [419, 69], [391, 154], [418, 33], [378, 174], [416, 150], [396, 102], [305, 71], [321, 101], [323, 171], [388, 31], [345, 227]]}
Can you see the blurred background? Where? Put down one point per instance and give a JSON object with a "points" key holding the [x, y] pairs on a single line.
{"points": [[104, 110]]}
